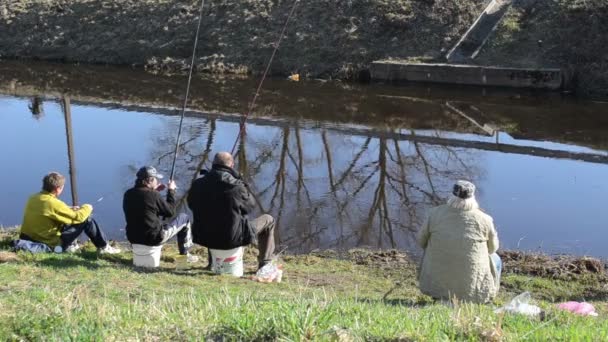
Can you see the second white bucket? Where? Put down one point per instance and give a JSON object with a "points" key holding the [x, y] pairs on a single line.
{"points": [[227, 261], [146, 256]]}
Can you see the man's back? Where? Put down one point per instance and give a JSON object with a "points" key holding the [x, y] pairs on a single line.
{"points": [[220, 202], [143, 208], [44, 216]]}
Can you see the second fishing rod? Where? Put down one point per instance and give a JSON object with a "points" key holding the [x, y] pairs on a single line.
{"points": [[242, 123]]}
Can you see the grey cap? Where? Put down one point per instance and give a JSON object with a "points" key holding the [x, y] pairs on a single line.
{"points": [[147, 172], [463, 189]]}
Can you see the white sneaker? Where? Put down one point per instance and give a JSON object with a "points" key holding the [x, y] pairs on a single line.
{"points": [[108, 250], [73, 248]]}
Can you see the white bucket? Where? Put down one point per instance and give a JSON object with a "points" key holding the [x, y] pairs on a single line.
{"points": [[227, 261], [146, 256]]}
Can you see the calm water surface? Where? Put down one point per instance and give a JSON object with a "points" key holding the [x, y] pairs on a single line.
{"points": [[338, 165]]}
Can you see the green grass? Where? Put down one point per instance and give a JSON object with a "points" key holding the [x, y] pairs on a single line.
{"points": [[322, 297]]}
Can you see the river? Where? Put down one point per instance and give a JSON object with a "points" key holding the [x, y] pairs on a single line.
{"points": [[339, 165]]}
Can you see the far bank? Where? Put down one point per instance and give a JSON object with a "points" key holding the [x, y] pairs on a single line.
{"points": [[324, 40]]}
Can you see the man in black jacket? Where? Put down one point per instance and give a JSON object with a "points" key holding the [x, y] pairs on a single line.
{"points": [[145, 210], [220, 202]]}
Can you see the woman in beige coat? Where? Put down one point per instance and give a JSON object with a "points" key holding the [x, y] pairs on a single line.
{"points": [[459, 243]]}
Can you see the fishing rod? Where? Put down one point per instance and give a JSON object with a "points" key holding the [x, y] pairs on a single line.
{"points": [[257, 92], [181, 120]]}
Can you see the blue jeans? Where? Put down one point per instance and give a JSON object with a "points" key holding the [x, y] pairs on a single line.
{"points": [[498, 264], [70, 233]]}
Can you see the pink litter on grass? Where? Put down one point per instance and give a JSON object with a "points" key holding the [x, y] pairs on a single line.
{"points": [[583, 308]]}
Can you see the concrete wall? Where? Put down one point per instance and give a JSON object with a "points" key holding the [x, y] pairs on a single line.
{"points": [[467, 74]]}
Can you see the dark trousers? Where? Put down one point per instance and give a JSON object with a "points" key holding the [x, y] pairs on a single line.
{"points": [[89, 227], [264, 231]]}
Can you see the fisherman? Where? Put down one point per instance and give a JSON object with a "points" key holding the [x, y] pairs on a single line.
{"points": [[145, 211], [220, 202], [460, 243], [50, 221]]}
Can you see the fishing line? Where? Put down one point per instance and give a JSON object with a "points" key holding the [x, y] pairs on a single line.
{"points": [[257, 92], [181, 120]]}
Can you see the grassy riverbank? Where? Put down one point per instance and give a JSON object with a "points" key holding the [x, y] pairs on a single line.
{"points": [[356, 295]]}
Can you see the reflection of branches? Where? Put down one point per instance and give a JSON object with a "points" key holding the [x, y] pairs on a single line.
{"points": [[354, 162], [243, 169], [332, 187], [460, 161], [181, 147], [204, 157], [401, 165], [403, 182], [433, 194], [280, 175], [361, 186], [379, 198], [300, 180], [262, 159]]}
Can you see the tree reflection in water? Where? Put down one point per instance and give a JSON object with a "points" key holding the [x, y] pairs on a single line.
{"points": [[330, 189]]}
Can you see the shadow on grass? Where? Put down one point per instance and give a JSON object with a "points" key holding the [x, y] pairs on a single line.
{"points": [[84, 258], [409, 303], [57, 262]]}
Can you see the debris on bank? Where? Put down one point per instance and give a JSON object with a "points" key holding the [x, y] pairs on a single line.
{"points": [[543, 265]]}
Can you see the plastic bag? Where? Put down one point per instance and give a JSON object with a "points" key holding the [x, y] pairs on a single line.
{"points": [[583, 308], [30, 246], [271, 272], [521, 305]]}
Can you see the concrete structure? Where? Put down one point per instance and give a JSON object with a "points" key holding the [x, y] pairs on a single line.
{"points": [[399, 71]]}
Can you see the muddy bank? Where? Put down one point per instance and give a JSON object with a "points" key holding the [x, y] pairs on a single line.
{"points": [[324, 39], [559, 267]]}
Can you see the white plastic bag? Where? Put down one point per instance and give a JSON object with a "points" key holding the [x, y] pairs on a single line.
{"points": [[271, 272], [521, 305]]}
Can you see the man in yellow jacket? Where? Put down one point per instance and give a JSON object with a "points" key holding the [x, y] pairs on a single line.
{"points": [[49, 220]]}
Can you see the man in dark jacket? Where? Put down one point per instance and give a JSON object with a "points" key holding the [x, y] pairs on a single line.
{"points": [[220, 202], [145, 210]]}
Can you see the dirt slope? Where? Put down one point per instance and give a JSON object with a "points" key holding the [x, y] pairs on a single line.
{"points": [[325, 38]]}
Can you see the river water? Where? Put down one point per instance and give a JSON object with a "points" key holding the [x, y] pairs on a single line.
{"points": [[338, 165]]}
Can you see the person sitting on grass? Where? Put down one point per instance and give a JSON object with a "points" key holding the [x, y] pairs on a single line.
{"points": [[220, 202], [145, 211], [459, 242], [50, 221]]}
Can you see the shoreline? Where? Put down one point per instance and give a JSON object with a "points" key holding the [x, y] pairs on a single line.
{"points": [[530, 263]]}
